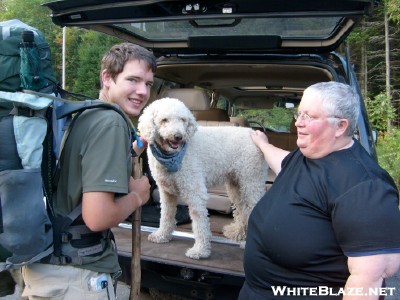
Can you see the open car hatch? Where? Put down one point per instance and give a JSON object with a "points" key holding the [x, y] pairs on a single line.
{"points": [[209, 26]]}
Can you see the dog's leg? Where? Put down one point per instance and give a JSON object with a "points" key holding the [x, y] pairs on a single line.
{"points": [[201, 229], [236, 230], [167, 220], [244, 197]]}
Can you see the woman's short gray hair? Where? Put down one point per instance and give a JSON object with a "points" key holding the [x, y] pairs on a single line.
{"points": [[339, 100]]}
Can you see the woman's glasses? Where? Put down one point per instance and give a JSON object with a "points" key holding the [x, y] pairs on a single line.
{"points": [[306, 118]]}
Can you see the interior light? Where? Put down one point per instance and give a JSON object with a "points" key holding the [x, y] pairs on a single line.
{"points": [[75, 17], [193, 8], [228, 8]]}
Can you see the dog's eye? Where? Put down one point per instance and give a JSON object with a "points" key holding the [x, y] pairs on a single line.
{"points": [[164, 120]]}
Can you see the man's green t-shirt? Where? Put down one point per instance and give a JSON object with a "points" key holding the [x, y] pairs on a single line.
{"points": [[96, 158]]}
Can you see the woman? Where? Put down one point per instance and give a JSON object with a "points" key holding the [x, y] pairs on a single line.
{"points": [[329, 227]]}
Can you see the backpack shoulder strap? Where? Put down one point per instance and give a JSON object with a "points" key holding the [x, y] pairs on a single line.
{"points": [[71, 107]]}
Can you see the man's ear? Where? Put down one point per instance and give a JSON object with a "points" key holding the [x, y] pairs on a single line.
{"points": [[105, 78], [341, 127]]}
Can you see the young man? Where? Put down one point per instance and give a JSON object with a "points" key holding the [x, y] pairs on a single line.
{"points": [[96, 172]]}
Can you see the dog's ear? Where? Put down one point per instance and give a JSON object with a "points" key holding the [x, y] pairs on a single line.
{"points": [[192, 126], [146, 125]]}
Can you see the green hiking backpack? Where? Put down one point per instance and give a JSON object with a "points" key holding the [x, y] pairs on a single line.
{"points": [[43, 78], [31, 127], [29, 229], [25, 63]]}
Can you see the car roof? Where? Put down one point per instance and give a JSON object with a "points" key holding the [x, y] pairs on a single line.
{"points": [[209, 26]]}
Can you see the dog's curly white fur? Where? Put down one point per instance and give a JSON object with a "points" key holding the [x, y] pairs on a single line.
{"points": [[214, 155]]}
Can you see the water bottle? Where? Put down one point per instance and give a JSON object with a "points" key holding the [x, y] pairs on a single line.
{"points": [[30, 71]]}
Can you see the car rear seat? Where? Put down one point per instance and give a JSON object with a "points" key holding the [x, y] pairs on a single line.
{"points": [[284, 140], [199, 104], [216, 123], [242, 122]]}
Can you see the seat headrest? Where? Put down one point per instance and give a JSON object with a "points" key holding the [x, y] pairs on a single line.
{"points": [[194, 99]]}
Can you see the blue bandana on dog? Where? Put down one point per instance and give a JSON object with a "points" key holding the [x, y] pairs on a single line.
{"points": [[171, 161]]}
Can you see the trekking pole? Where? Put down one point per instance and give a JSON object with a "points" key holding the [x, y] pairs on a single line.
{"points": [[136, 220]]}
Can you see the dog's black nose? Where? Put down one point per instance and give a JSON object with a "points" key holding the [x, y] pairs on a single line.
{"points": [[178, 137]]}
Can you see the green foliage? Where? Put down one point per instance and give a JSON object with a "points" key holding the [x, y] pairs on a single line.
{"points": [[393, 10], [380, 112], [358, 36], [388, 149], [92, 48], [33, 14]]}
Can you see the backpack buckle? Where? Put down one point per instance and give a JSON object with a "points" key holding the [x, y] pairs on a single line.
{"points": [[65, 237], [23, 111], [65, 260]]}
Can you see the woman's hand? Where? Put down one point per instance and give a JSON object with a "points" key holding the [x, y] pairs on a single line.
{"points": [[273, 155], [259, 138]]}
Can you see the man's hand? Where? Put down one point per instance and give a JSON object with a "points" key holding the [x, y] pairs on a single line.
{"points": [[141, 187]]}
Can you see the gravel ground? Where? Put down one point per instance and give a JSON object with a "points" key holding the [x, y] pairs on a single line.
{"points": [[123, 291], [394, 282]]}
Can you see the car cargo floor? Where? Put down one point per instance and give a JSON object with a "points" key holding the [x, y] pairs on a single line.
{"points": [[226, 256]]}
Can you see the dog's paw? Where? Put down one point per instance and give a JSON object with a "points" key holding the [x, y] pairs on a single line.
{"points": [[158, 238], [235, 232], [196, 253]]}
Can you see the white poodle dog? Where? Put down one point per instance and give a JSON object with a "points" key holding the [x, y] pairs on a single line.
{"points": [[185, 159]]}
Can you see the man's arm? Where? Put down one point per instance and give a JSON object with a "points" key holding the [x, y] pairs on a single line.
{"points": [[138, 150], [101, 210]]}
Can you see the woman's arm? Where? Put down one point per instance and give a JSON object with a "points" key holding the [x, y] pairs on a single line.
{"points": [[367, 274], [273, 155]]}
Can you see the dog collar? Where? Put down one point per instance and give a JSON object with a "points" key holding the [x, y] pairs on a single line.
{"points": [[171, 161]]}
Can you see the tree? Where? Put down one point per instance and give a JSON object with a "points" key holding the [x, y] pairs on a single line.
{"points": [[380, 112], [393, 9], [375, 52], [87, 80]]}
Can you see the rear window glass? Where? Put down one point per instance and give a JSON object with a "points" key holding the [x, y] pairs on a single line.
{"points": [[299, 27], [277, 119]]}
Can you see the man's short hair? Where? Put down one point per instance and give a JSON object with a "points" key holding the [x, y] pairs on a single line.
{"points": [[115, 59]]}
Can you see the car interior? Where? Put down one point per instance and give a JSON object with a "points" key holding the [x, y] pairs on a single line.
{"points": [[217, 92]]}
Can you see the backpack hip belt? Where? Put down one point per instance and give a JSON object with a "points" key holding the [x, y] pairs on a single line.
{"points": [[71, 254], [73, 242]]}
